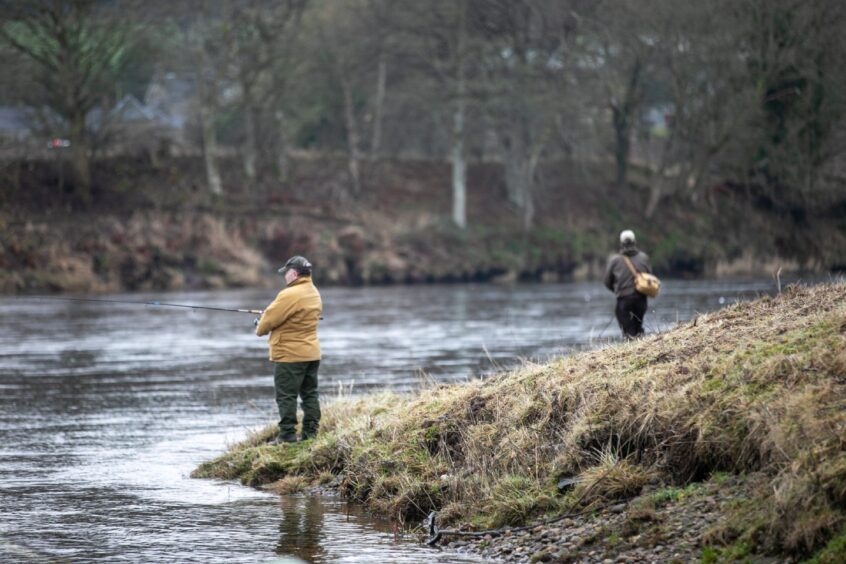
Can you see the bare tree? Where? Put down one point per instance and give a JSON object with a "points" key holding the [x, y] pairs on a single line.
{"points": [[259, 37], [526, 62], [440, 46], [77, 48], [617, 43], [793, 66], [206, 66], [341, 52]]}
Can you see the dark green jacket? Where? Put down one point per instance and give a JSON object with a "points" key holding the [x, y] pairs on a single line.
{"points": [[618, 277]]}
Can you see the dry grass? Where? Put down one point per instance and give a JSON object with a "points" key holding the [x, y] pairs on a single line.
{"points": [[757, 386], [289, 485]]}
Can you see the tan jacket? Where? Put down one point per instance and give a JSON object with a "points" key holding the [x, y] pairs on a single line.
{"points": [[291, 321]]}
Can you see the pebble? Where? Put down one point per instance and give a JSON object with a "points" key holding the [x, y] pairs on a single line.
{"points": [[673, 535]]}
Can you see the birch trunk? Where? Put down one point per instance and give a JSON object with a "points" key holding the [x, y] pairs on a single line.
{"points": [[459, 169], [250, 145], [459, 164], [655, 195], [521, 162], [352, 137], [282, 163], [209, 150], [381, 88]]}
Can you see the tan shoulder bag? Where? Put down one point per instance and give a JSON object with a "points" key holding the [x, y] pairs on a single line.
{"points": [[645, 283]]}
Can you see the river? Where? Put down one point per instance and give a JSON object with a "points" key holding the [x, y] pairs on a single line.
{"points": [[106, 408]]}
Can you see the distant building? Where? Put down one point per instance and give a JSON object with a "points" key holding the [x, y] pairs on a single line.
{"points": [[157, 126], [26, 131], [172, 98], [15, 123], [132, 127]]}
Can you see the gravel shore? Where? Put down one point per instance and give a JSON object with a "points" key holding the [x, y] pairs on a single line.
{"points": [[663, 524]]}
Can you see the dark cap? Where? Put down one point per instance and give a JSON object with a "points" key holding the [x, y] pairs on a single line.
{"points": [[297, 263]]}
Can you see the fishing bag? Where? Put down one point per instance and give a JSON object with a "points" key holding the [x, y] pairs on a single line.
{"points": [[645, 283]]}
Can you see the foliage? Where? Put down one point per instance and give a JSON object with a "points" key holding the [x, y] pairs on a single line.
{"points": [[684, 98]]}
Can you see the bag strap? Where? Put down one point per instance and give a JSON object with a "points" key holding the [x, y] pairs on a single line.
{"points": [[631, 266]]}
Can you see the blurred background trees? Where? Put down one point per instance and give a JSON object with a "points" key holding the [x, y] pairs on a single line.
{"points": [[684, 98]]}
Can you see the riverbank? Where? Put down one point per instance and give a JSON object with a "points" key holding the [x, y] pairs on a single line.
{"points": [[153, 229], [719, 439]]}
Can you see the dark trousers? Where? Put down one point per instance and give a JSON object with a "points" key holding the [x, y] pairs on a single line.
{"points": [[292, 379], [630, 311]]}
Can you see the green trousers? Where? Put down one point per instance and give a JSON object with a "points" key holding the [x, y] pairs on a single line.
{"points": [[292, 379]]}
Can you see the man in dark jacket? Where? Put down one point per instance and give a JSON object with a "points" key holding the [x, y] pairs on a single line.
{"points": [[631, 305]]}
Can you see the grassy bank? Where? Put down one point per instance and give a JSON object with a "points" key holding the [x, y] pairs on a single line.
{"points": [[756, 391]]}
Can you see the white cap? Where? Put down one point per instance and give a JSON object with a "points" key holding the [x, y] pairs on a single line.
{"points": [[627, 236]]}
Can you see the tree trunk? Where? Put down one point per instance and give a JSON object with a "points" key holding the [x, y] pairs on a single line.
{"points": [[352, 136], [655, 195], [459, 169], [459, 164], [250, 145], [521, 162], [623, 115], [516, 167], [381, 86], [518, 182], [209, 150], [528, 213], [622, 145], [658, 180], [80, 158], [282, 146]]}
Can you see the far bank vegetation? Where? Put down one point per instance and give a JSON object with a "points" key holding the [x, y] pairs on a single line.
{"points": [[685, 110]]}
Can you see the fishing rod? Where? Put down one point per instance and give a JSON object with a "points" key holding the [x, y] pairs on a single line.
{"points": [[151, 303]]}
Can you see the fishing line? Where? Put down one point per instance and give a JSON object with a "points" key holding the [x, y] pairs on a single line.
{"points": [[150, 303], [606, 326]]}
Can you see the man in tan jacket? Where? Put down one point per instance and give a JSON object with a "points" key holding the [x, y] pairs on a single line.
{"points": [[291, 321]]}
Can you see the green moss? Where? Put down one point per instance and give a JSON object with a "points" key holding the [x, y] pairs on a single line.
{"points": [[737, 552], [613, 539], [720, 477], [672, 494], [515, 498], [832, 553], [208, 266], [710, 555], [255, 465], [666, 495], [432, 434], [479, 520], [713, 385]]}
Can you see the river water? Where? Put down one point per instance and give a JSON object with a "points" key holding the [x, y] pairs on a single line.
{"points": [[106, 408]]}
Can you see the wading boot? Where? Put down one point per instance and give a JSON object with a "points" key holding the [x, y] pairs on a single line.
{"points": [[281, 439]]}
